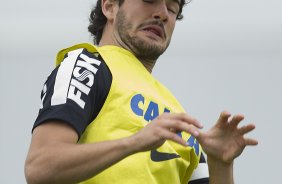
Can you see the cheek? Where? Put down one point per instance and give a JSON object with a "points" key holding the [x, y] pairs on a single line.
{"points": [[132, 22], [170, 29]]}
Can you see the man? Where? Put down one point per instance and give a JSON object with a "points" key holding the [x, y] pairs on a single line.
{"points": [[105, 119]]}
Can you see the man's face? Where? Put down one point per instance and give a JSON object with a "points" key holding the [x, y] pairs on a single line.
{"points": [[145, 26]]}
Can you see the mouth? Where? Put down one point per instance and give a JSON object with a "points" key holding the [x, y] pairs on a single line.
{"points": [[155, 30]]}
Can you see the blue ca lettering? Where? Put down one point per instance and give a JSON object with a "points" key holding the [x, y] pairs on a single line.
{"points": [[152, 111], [194, 144]]}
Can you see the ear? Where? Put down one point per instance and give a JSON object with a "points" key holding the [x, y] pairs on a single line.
{"points": [[109, 8]]}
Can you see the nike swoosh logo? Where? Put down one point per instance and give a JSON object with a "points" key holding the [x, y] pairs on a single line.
{"points": [[157, 156]]}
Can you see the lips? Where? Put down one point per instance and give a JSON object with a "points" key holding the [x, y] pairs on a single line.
{"points": [[155, 29]]}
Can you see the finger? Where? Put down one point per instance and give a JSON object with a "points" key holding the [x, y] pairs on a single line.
{"points": [[168, 135], [185, 118], [190, 120], [236, 120], [223, 118], [178, 125], [251, 142], [247, 128]]}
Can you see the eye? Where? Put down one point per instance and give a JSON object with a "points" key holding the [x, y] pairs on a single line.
{"points": [[173, 7], [148, 1], [172, 10]]}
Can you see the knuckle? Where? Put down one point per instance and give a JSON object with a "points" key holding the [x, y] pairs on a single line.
{"points": [[178, 123], [190, 128], [173, 136]]}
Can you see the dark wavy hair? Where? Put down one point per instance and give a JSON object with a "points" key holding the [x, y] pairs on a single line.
{"points": [[98, 20]]}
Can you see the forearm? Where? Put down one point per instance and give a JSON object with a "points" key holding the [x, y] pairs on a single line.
{"points": [[71, 163], [220, 173]]}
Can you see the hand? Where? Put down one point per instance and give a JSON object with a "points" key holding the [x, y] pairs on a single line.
{"points": [[163, 128], [225, 141]]}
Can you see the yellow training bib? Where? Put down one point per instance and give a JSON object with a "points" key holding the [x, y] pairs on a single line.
{"points": [[134, 100]]}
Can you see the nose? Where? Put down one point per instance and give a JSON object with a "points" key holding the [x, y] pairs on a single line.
{"points": [[161, 11]]}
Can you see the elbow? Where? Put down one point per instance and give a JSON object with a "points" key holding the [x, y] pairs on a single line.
{"points": [[35, 174], [30, 175]]}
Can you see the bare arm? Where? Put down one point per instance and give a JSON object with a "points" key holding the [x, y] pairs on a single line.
{"points": [[54, 157]]}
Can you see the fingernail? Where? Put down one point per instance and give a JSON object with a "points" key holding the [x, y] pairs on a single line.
{"points": [[196, 133], [199, 123]]}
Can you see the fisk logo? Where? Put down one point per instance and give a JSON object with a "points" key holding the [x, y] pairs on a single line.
{"points": [[83, 79], [152, 111], [74, 78]]}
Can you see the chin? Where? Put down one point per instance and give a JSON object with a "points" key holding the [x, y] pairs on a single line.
{"points": [[147, 47], [152, 42]]}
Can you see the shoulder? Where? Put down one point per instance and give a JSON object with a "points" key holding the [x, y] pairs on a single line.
{"points": [[76, 90]]}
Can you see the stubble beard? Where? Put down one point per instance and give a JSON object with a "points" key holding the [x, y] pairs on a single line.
{"points": [[142, 49]]}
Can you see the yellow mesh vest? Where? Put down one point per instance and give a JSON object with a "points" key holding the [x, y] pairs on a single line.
{"points": [[134, 99]]}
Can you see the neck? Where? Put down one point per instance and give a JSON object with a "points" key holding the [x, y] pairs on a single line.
{"points": [[148, 64]]}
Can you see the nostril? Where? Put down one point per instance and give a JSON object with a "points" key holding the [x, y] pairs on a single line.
{"points": [[157, 17], [162, 18]]}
